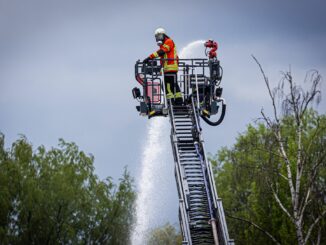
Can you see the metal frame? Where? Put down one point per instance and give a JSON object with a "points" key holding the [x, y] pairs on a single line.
{"points": [[189, 71], [201, 212]]}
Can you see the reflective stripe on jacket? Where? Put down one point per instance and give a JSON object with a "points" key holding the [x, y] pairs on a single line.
{"points": [[167, 50]]}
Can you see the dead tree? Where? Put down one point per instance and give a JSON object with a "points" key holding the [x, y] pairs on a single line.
{"points": [[295, 103]]}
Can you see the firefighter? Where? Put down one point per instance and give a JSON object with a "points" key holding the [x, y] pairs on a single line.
{"points": [[168, 50]]}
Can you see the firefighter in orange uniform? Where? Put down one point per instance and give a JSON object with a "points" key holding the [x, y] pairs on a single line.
{"points": [[168, 50]]}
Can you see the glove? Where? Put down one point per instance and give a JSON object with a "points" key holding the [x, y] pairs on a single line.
{"points": [[146, 60]]}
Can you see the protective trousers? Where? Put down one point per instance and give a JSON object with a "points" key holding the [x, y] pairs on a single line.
{"points": [[172, 88]]}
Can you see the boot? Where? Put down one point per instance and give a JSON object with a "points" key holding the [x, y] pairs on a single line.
{"points": [[178, 101]]}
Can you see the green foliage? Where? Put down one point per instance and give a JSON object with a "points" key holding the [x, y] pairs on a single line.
{"points": [[54, 197], [245, 173], [165, 235]]}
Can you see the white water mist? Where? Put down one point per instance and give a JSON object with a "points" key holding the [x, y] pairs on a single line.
{"points": [[154, 169], [194, 49]]}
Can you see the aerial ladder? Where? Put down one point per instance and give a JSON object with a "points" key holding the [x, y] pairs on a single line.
{"points": [[201, 213]]}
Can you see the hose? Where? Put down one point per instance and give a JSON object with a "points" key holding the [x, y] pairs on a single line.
{"points": [[218, 122]]}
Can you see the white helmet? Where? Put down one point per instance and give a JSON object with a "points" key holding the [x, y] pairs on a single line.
{"points": [[159, 30], [159, 35]]}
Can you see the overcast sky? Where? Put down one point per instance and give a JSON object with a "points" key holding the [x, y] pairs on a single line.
{"points": [[67, 67]]}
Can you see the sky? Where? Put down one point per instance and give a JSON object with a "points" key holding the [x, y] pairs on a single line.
{"points": [[67, 66]]}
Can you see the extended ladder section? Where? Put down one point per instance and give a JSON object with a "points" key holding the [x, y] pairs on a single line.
{"points": [[200, 210]]}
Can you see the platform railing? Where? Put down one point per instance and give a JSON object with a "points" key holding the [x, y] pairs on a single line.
{"points": [[151, 75]]}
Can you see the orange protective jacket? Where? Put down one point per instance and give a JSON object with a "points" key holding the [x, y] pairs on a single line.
{"points": [[167, 50]]}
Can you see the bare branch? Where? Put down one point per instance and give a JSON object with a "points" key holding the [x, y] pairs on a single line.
{"points": [[266, 119], [313, 225], [312, 140], [272, 96], [315, 78], [278, 137], [283, 176], [319, 236], [256, 226], [314, 172], [281, 204], [294, 97], [304, 204]]}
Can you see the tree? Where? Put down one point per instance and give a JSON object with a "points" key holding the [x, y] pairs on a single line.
{"points": [[165, 235], [51, 197], [273, 180]]}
